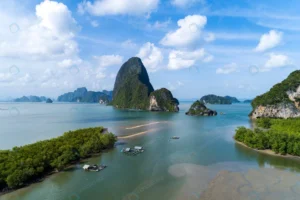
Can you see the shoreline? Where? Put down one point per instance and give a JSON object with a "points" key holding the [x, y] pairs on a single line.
{"points": [[142, 125], [268, 151]]}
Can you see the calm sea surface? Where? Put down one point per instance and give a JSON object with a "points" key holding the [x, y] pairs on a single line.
{"points": [[188, 168]]}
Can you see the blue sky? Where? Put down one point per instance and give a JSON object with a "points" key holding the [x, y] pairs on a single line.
{"points": [[192, 47]]}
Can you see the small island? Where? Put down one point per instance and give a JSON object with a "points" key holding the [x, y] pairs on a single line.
{"points": [[198, 108], [30, 98], [27, 164], [276, 116], [49, 100], [214, 99]]}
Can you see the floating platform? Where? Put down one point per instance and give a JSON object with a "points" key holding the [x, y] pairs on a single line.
{"points": [[133, 151]]}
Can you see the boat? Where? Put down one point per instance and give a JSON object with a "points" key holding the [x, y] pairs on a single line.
{"points": [[133, 151], [94, 168], [175, 137]]}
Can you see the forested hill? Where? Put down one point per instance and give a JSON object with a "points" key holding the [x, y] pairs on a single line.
{"points": [[214, 99], [83, 95]]}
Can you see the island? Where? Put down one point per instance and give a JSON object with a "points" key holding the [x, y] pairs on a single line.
{"points": [[247, 101], [198, 108], [30, 98], [49, 100], [276, 117], [214, 99], [30, 163], [133, 90], [84, 96], [232, 99]]}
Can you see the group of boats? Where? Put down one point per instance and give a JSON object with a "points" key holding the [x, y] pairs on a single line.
{"points": [[94, 168], [133, 151]]}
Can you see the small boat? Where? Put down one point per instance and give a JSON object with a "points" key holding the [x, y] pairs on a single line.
{"points": [[175, 137], [94, 168]]}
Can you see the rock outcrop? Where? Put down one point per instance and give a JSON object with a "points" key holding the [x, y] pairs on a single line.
{"points": [[49, 100], [133, 90], [281, 101], [199, 109], [163, 100]]}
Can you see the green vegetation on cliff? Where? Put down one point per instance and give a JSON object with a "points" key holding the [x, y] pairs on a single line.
{"points": [[280, 135], [132, 87], [278, 93], [199, 109], [214, 99], [25, 164], [165, 100]]}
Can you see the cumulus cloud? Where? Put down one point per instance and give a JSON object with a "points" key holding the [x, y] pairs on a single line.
{"points": [[209, 37], [276, 61], [185, 3], [48, 35], [269, 40], [66, 63], [117, 7], [185, 59], [109, 60], [151, 56], [227, 69], [189, 32]]}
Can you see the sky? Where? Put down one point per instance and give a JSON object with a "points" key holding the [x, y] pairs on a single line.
{"points": [[192, 47]]}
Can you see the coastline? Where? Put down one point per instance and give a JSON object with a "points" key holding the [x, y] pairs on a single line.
{"points": [[268, 151]]}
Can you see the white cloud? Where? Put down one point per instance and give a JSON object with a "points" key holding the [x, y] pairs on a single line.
{"points": [[109, 60], [276, 61], [159, 25], [6, 77], [269, 40], [49, 34], [100, 75], [94, 23], [66, 63], [189, 32], [26, 79], [185, 59], [151, 56], [112, 75], [209, 37], [185, 3], [174, 86], [117, 7], [227, 69]]}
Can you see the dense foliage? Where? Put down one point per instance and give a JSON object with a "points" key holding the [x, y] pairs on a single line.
{"points": [[282, 135], [214, 99], [132, 87], [83, 95], [165, 100], [199, 108], [21, 165], [278, 93]]}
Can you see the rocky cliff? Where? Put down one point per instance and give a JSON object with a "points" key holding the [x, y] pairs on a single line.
{"points": [[281, 101], [163, 100], [133, 90], [199, 109]]}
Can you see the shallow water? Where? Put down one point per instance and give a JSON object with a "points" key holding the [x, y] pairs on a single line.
{"points": [[168, 169]]}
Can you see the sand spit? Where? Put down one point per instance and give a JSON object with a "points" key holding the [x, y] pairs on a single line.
{"points": [[142, 125]]}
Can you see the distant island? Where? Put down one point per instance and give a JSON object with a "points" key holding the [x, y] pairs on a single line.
{"points": [[214, 99], [247, 101], [276, 115], [28, 164], [198, 108], [133, 90], [232, 99], [49, 100], [85, 96], [30, 99]]}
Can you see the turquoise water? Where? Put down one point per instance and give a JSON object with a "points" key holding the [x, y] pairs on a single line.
{"points": [[168, 169]]}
